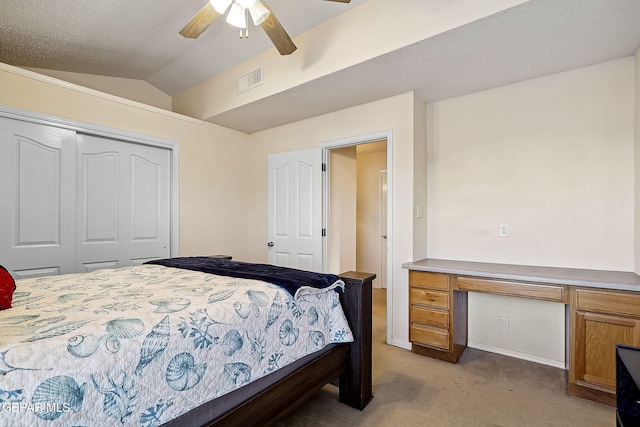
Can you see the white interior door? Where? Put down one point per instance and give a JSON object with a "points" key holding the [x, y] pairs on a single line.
{"points": [[123, 209], [295, 209], [37, 198]]}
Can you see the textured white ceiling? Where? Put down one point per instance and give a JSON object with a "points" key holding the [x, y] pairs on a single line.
{"points": [[139, 39]]}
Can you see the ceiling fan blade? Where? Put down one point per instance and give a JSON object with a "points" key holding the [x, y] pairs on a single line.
{"points": [[200, 22], [277, 34]]}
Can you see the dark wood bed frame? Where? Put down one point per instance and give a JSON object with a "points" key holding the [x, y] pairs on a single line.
{"points": [[349, 363]]}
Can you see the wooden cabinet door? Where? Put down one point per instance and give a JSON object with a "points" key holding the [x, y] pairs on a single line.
{"points": [[595, 353]]}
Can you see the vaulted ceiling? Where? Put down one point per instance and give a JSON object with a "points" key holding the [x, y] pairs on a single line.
{"points": [[139, 40]]}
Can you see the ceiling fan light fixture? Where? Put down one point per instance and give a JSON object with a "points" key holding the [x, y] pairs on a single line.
{"points": [[220, 6], [236, 16], [259, 13]]}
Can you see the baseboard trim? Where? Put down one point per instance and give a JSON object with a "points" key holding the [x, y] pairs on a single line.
{"points": [[518, 355]]}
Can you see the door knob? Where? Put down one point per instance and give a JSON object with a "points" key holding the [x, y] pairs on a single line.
{"points": [[270, 244]]}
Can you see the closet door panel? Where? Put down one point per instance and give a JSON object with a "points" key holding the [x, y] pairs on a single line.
{"points": [[100, 195], [149, 171], [124, 193], [145, 199], [37, 194]]}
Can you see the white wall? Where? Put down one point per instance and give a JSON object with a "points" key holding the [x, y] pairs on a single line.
{"points": [[553, 158], [534, 333], [420, 175]]}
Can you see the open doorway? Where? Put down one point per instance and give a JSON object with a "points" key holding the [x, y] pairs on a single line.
{"points": [[357, 216], [371, 188]]}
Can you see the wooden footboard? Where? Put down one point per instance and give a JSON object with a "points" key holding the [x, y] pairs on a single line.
{"points": [[351, 363], [355, 382], [281, 398]]}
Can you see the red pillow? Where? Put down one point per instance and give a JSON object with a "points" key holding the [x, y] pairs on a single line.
{"points": [[7, 286]]}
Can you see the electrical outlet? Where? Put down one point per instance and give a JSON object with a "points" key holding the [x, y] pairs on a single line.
{"points": [[504, 230], [503, 323]]}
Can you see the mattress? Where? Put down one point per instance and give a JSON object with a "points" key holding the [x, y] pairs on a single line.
{"points": [[143, 345]]}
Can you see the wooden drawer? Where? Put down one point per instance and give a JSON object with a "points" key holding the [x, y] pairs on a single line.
{"points": [[430, 298], [428, 316], [517, 289], [423, 279], [608, 302], [433, 337]]}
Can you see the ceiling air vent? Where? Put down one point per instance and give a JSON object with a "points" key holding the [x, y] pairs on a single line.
{"points": [[250, 80]]}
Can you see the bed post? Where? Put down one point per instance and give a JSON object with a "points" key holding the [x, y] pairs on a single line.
{"points": [[355, 382]]}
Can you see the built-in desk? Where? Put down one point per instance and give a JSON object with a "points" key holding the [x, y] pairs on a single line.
{"points": [[604, 310]]}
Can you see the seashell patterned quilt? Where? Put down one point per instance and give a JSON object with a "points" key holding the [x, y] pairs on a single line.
{"points": [[142, 345]]}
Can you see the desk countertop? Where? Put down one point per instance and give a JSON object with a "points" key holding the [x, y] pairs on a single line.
{"points": [[618, 280]]}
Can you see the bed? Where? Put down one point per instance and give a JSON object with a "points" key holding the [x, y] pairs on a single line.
{"points": [[182, 341]]}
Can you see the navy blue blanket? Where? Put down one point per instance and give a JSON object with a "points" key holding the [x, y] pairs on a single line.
{"points": [[287, 278]]}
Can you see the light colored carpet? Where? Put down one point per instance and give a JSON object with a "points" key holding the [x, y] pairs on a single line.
{"points": [[482, 389]]}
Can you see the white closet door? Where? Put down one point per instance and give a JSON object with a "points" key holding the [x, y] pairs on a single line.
{"points": [[123, 203], [37, 199]]}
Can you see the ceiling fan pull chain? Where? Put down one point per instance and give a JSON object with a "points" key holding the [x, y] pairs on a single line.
{"points": [[246, 30]]}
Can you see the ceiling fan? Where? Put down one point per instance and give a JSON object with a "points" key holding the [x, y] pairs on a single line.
{"points": [[237, 16]]}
